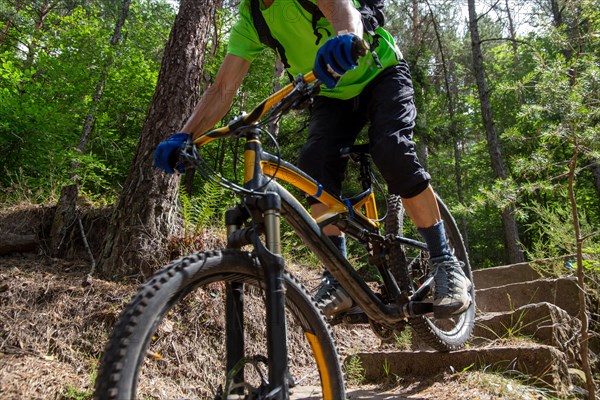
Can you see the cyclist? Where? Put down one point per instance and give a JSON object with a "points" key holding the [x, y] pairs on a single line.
{"points": [[377, 89]]}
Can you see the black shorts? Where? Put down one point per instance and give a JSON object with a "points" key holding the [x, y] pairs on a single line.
{"points": [[388, 104]]}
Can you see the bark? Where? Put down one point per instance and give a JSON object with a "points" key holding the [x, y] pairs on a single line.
{"points": [[515, 47], [583, 314], [511, 232], [207, 80], [11, 243], [144, 217], [416, 21], [556, 13], [596, 173], [90, 119], [64, 221]]}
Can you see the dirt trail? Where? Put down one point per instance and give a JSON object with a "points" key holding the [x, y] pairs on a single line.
{"points": [[53, 329]]}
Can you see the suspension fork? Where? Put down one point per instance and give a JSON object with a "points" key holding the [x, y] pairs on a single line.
{"points": [[274, 267], [265, 210]]}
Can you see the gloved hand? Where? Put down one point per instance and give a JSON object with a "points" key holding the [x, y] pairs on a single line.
{"points": [[166, 155], [335, 58]]}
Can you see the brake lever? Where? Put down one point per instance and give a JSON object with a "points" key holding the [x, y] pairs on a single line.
{"points": [[300, 97], [189, 153]]}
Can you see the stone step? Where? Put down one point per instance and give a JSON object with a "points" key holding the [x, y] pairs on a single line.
{"points": [[544, 365], [504, 275], [562, 292], [521, 272], [543, 322]]}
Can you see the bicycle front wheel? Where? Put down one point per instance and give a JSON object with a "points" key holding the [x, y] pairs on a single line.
{"points": [[170, 340]]}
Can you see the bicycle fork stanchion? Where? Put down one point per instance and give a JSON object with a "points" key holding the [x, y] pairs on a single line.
{"points": [[273, 265], [267, 207]]}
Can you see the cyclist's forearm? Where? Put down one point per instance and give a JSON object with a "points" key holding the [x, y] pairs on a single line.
{"points": [[342, 15], [211, 108], [217, 100]]}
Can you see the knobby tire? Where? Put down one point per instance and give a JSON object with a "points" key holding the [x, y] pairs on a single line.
{"points": [[144, 357], [441, 335]]}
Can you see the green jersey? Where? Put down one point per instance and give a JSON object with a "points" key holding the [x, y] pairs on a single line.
{"points": [[291, 25]]}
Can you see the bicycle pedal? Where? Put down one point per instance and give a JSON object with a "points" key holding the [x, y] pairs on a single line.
{"points": [[354, 316], [354, 310]]}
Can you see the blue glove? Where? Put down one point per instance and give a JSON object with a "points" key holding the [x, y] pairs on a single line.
{"points": [[335, 58], [166, 155]]}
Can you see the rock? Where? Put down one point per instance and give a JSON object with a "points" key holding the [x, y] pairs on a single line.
{"points": [[505, 275], [544, 365], [542, 322], [563, 292]]}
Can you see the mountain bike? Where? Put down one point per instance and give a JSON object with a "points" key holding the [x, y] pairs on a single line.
{"points": [[266, 337]]}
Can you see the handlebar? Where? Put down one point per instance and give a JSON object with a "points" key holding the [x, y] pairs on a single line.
{"points": [[255, 115], [359, 49]]}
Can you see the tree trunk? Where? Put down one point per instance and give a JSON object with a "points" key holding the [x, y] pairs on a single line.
{"points": [[11, 243], [90, 119], [66, 208], [64, 220], [144, 217], [511, 232], [207, 80], [451, 93], [32, 48], [583, 312], [515, 47], [596, 173]]}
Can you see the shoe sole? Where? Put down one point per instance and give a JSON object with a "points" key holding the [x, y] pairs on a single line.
{"points": [[448, 311]]}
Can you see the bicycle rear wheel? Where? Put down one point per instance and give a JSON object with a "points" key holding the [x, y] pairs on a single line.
{"points": [[170, 340], [411, 269]]}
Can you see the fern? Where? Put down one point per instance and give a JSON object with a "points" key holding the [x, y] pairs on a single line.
{"points": [[203, 209]]}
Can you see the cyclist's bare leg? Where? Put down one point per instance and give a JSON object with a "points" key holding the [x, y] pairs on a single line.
{"points": [[330, 230], [423, 209]]}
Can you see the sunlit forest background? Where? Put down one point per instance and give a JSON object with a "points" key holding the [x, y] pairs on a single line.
{"points": [[74, 91]]}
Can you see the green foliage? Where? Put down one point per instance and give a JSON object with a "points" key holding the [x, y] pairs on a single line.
{"points": [[204, 209], [295, 251], [48, 76], [72, 393], [551, 225], [555, 236], [544, 92], [355, 372], [404, 339], [560, 121]]}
